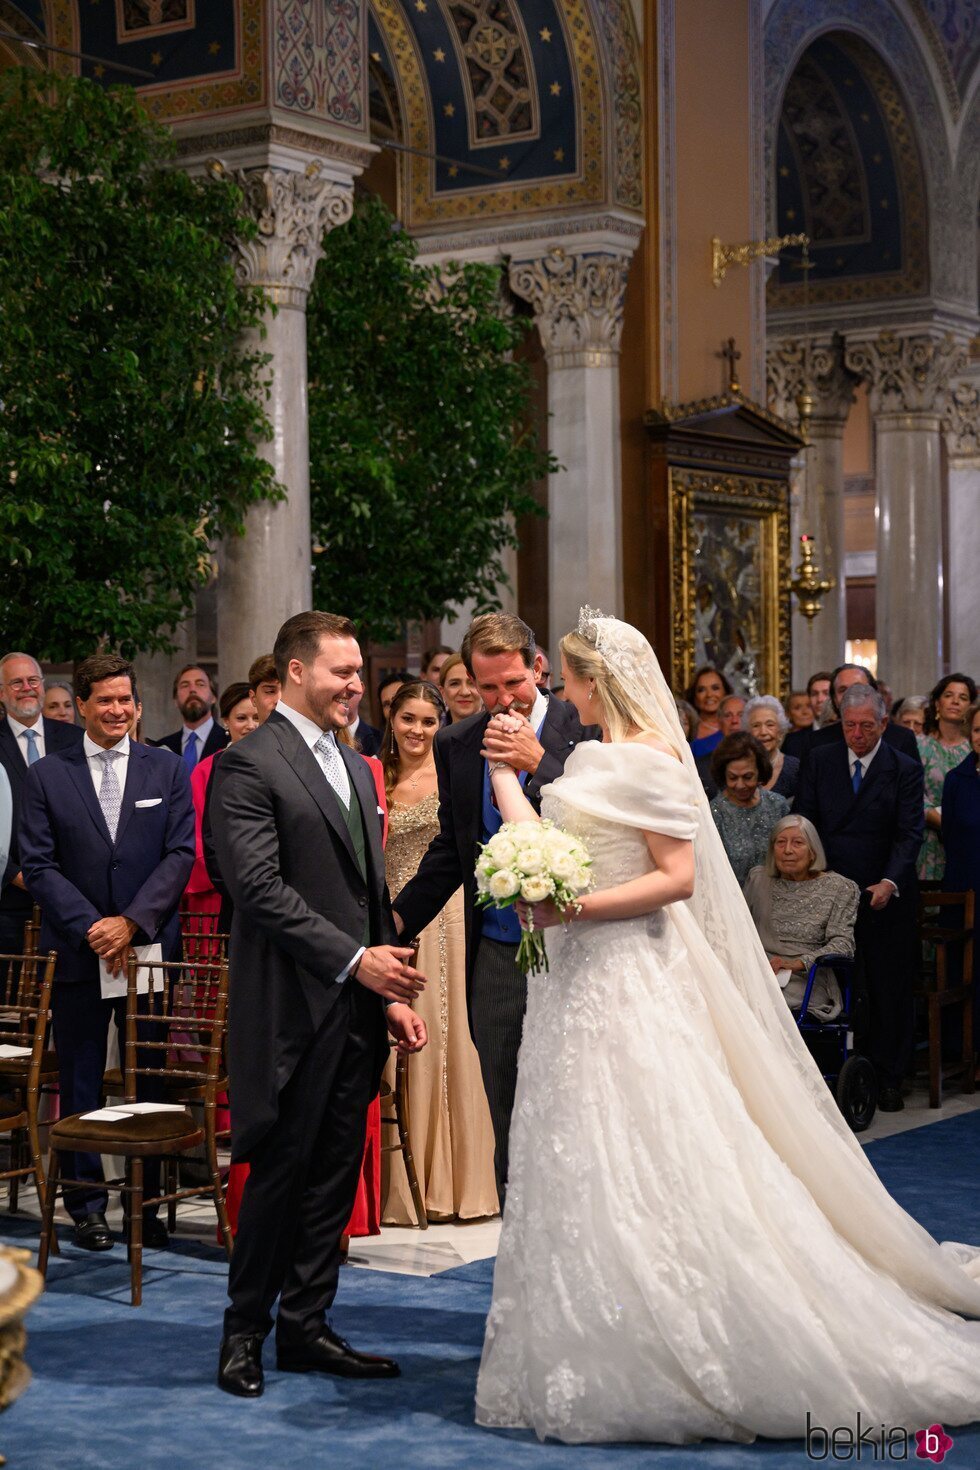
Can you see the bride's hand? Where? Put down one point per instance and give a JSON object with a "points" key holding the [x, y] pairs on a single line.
{"points": [[506, 724], [545, 915]]}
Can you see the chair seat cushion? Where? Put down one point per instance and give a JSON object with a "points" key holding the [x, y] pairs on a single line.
{"points": [[141, 1128], [17, 1066]]}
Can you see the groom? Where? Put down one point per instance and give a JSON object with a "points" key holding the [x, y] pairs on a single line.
{"points": [[500, 654], [298, 839]]}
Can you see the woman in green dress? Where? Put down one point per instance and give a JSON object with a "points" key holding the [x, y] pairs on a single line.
{"points": [[943, 746]]}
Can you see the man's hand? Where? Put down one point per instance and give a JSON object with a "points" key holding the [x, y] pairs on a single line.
{"points": [[385, 969], [881, 893], [18, 881], [399, 922], [407, 1028], [110, 937], [519, 748]]}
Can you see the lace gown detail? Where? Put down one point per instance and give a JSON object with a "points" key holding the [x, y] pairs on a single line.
{"points": [[689, 1238]]}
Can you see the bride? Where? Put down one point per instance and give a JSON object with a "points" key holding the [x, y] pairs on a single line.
{"points": [[695, 1245]]}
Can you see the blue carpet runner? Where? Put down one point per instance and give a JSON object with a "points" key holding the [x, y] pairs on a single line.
{"points": [[122, 1389]]}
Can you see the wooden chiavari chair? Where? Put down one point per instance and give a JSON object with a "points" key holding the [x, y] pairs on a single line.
{"points": [[151, 1060], [26, 1063], [947, 980], [397, 1098]]}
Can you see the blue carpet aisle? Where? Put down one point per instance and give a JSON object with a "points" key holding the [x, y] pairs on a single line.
{"points": [[118, 1389]]}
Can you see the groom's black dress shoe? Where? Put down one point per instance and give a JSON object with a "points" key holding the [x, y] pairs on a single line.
{"points": [[328, 1353], [92, 1232], [240, 1365], [890, 1100]]}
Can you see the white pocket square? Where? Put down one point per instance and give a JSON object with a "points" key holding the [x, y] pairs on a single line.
{"points": [[381, 811], [150, 801]]}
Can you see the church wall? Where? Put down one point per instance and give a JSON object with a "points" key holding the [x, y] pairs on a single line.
{"points": [[713, 187]]}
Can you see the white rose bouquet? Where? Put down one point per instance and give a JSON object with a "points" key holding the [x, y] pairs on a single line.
{"points": [[532, 861]]}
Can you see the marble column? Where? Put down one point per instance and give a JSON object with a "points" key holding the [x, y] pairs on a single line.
{"points": [[908, 378], [961, 425], [578, 306], [265, 576], [155, 674], [818, 643]]}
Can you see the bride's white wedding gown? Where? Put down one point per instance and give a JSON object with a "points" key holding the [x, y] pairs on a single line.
{"points": [[694, 1246]]}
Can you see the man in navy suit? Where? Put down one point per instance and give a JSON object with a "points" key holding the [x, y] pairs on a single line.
{"points": [[200, 734], [107, 843], [502, 658], [865, 799], [25, 738]]}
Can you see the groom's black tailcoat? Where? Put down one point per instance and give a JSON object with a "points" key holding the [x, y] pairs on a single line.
{"points": [[452, 853], [301, 904], [305, 1053]]}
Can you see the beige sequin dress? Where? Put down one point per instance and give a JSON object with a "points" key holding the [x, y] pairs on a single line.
{"points": [[452, 1139]]}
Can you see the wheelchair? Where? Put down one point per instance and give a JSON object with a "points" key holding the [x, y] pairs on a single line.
{"points": [[851, 1078]]}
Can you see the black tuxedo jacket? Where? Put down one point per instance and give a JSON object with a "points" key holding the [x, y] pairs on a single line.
{"points": [[287, 860], [801, 742], [452, 853], [217, 740], [878, 832], [58, 735]]}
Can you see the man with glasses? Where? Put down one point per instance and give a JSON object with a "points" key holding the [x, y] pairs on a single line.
{"points": [[25, 737]]}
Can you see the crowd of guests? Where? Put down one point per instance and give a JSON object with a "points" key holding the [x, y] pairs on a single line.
{"points": [[832, 805]]}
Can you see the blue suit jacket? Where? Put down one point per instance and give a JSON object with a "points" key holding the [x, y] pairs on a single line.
{"points": [[875, 834], [78, 875]]}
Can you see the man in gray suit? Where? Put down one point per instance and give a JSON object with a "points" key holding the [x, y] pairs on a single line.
{"points": [[297, 832], [500, 654]]}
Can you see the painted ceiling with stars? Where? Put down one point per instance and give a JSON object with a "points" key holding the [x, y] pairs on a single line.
{"points": [[850, 177], [510, 106]]}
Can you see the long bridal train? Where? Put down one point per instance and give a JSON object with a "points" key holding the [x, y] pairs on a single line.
{"points": [[695, 1245]]}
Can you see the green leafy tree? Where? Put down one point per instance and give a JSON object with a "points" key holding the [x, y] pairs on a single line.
{"points": [[421, 453], [128, 409]]}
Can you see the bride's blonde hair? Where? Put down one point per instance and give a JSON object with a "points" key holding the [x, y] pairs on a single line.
{"points": [[623, 715]]}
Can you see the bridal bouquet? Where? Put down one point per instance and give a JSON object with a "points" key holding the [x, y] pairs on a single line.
{"points": [[532, 861]]}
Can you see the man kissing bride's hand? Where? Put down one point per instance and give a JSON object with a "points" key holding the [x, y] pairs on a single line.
{"points": [[510, 738]]}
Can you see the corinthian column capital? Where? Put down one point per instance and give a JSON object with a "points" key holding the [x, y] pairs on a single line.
{"points": [[907, 374], [578, 304], [293, 211], [829, 382], [961, 422]]}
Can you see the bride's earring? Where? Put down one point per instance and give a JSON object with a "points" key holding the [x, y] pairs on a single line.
{"points": [[591, 691]]}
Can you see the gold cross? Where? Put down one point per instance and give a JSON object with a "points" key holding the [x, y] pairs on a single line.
{"points": [[731, 355]]}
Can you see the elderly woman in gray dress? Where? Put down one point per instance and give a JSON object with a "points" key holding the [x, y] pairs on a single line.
{"points": [[765, 718], [801, 912]]}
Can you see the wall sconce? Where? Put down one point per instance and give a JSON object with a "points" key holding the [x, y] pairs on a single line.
{"points": [[808, 587]]}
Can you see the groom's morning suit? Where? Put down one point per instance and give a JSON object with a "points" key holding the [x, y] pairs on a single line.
{"points": [[496, 991], [307, 1043]]}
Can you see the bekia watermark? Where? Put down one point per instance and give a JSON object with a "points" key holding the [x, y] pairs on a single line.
{"points": [[875, 1442]]}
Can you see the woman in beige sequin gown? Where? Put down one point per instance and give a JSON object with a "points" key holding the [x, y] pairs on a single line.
{"points": [[451, 1134]]}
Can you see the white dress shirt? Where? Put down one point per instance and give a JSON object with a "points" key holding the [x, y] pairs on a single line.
{"points": [[311, 733], [97, 768], [538, 711], [202, 732], [19, 732]]}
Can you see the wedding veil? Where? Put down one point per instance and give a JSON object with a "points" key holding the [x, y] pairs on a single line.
{"points": [[779, 1080]]}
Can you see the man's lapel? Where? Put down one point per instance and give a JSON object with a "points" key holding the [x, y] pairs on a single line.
{"points": [[300, 757], [136, 774], [363, 790], [79, 772], [15, 763], [877, 770]]}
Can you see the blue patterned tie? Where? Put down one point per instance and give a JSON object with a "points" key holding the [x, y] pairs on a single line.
{"points": [[110, 795], [858, 776], [190, 750]]}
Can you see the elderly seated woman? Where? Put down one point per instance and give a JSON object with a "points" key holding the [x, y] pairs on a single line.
{"points": [[801, 911], [744, 812]]}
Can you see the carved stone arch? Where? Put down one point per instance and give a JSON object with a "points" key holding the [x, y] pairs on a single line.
{"points": [[620, 51], [792, 26]]}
